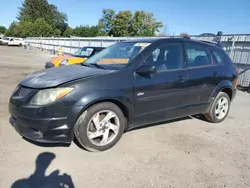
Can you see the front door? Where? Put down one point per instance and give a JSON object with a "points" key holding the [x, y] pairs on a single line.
{"points": [[158, 96]]}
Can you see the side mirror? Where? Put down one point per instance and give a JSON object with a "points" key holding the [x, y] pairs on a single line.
{"points": [[146, 69]]}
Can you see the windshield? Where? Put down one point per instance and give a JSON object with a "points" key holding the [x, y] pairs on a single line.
{"points": [[5, 38], [84, 52], [119, 53]]}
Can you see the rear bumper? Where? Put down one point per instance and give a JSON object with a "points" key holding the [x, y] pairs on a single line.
{"points": [[43, 124], [49, 65]]}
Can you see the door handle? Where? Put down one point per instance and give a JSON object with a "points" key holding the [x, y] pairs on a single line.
{"points": [[181, 79]]}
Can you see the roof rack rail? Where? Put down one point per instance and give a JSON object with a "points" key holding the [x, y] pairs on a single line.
{"points": [[216, 43]]}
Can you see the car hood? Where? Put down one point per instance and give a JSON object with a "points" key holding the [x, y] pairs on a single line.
{"points": [[56, 76]]}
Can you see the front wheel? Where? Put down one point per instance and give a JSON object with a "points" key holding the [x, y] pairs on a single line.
{"points": [[100, 127], [219, 109]]}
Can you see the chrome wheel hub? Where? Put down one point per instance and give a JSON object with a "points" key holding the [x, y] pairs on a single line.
{"points": [[103, 128], [221, 108]]}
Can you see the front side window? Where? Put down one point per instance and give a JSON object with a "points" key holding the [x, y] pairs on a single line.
{"points": [[166, 57], [197, 55]]}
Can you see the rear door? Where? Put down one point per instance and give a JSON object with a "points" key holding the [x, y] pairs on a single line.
{"points": [[201, 77], [161, 95]]}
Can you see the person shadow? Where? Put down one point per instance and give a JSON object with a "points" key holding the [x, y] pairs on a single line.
{"points": [[39, 180]]}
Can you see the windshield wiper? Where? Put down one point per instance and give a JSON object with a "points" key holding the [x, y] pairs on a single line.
{"points": [[85, 64], [98, 66], [93, 64]]}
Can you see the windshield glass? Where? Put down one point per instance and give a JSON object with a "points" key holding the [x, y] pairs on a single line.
{"points": [[119, 53], [84, 52], [5, 38]]}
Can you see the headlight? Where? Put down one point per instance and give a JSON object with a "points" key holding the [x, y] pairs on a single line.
{"points": [[63, 62], [47, 96]]}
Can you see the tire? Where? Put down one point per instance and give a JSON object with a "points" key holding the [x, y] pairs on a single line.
{"points": [[85, 123], [217, 114], [20, 45]]}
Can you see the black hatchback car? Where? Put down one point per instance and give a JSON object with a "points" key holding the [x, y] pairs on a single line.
{"points": [[127, 85]]}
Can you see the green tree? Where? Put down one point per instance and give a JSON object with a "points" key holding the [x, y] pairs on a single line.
{"points": [[107, 21], [42, 29], [121, 23], [86, 31], [144, 24], [2, 29], [68, 32], [13, 30], [26, 29], [31, 10], [57, 19], [125, 24], [56, 32], [34, 9]]}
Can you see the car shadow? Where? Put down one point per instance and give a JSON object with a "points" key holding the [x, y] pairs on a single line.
{"points": [[39, 180]]}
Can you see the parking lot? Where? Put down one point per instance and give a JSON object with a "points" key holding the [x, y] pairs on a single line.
{"points": [[188, 152]]}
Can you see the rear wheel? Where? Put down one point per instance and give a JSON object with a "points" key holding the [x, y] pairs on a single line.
{"points": [[100, 127], [219, 109]]}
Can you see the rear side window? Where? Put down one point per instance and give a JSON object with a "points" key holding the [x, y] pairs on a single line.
{"points": [[219, 57], [197, 55]]}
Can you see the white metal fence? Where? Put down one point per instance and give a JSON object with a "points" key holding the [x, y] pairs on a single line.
{"points": [[237, 46]]}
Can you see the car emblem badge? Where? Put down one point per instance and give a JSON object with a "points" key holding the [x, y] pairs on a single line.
{"points": [[140, 94]]}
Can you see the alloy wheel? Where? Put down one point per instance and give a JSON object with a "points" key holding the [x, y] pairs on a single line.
{"points": [[221, 108], [103, 127]]}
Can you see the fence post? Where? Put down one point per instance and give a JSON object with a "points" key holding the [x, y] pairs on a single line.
{"points": [[40, 41], [232, 48], [54, 42], [64, 44], [70, 45]]}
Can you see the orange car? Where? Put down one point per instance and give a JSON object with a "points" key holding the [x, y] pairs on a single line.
{"points": [[80, 56]]}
